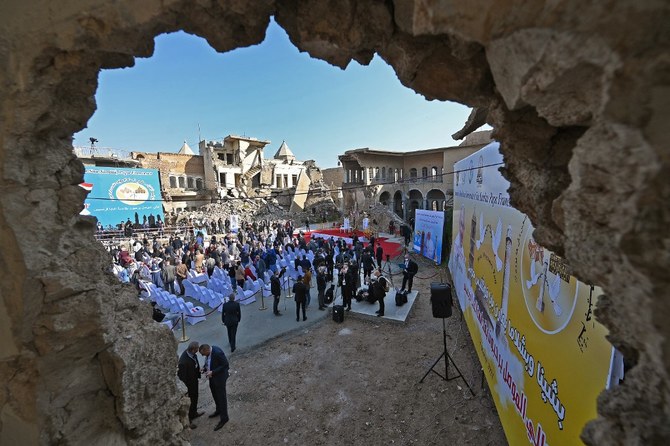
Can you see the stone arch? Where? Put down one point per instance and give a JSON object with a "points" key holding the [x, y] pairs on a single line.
{"points": [[436, 199], [559, 113], [385, 198], [398, 203], [415, 201]]}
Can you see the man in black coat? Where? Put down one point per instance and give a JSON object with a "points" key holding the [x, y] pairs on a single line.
{"points": [[216, 370], [411, 268], [300, 291], [275, 289], [379, 254], [321, 286], [189, 372], [378, 290], [346, 282], [367, 263], [231, 315]]}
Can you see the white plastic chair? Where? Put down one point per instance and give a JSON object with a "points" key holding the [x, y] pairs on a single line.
{"points": [[245, 297], [192, 311]]}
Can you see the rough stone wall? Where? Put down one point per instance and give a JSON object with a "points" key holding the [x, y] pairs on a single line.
{"points": [[173, 164], [577, 92], [333, 176]]}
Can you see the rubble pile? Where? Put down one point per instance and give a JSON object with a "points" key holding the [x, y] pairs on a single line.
{"points": [[245, 208], [381, 214], [248, 209]]}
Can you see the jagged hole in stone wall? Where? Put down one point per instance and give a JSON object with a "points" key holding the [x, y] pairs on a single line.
{"points": [[571, 104]]}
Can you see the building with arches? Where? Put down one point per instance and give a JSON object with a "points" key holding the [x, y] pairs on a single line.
{"points": [[404, 181]]}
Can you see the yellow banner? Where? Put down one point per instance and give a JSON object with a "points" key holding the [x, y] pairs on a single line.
{"points": [[545, 357]]}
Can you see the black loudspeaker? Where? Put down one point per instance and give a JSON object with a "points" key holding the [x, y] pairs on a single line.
{"points": [[440, 299]]}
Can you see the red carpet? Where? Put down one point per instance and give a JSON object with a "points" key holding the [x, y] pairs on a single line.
{"points": [[390, 248]]}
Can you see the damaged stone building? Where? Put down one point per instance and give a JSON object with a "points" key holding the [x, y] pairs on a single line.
{"points": [[234, 167], [577, 92], [404, 181], [182, 176]]}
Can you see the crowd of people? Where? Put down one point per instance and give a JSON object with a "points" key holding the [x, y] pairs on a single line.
{"points": [[256, 250]]}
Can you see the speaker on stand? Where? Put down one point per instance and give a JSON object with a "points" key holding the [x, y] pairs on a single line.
{"points": [[441, 303]]}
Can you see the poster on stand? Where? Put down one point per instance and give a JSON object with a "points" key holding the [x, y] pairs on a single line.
{"points": [[544, 355], [428, 226], [118, 194]]}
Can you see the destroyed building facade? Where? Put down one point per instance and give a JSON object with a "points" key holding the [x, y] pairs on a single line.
{"points": [[233, 167]]}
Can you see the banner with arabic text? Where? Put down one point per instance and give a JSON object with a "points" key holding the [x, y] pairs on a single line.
{"points": [[544, 355]]}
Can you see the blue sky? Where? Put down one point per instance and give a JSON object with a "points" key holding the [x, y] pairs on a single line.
{"points": [[270, 91]]}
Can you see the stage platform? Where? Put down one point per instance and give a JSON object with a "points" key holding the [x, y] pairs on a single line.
{"points": [[391, 311]]}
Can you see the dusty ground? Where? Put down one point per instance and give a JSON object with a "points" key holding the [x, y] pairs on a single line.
{"points": [[357, 383]]}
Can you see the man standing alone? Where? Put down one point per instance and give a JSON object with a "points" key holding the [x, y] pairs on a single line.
{"points": [[275, 289], [321, 286], [216, 371], [189, 373], [231, 315], [300, 291], [411, 268]]}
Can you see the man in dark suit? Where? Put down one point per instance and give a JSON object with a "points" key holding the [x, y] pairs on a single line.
{"points": [[300, 291], [379, 254], [275, 289], [411, 268], [231, 316], [216, 370], [189, 373]]}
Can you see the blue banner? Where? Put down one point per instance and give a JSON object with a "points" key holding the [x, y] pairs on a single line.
{"points": [[118, 194]]}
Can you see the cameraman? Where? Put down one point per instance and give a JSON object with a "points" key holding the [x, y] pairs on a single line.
{"points": [[378, 288]]}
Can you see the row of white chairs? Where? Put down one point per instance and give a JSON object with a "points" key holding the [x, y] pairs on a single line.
{"points": [[174, 304], [205, 295]]}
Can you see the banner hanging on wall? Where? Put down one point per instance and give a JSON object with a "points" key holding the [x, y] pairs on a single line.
{"points": [[118, 194], [544, 355], [428, 226]]}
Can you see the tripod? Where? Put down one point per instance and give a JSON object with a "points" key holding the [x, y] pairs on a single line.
{"points": [[447, 358]]}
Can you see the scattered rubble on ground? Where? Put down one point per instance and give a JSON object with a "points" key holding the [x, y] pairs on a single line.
{"points": [[323, 209]]}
